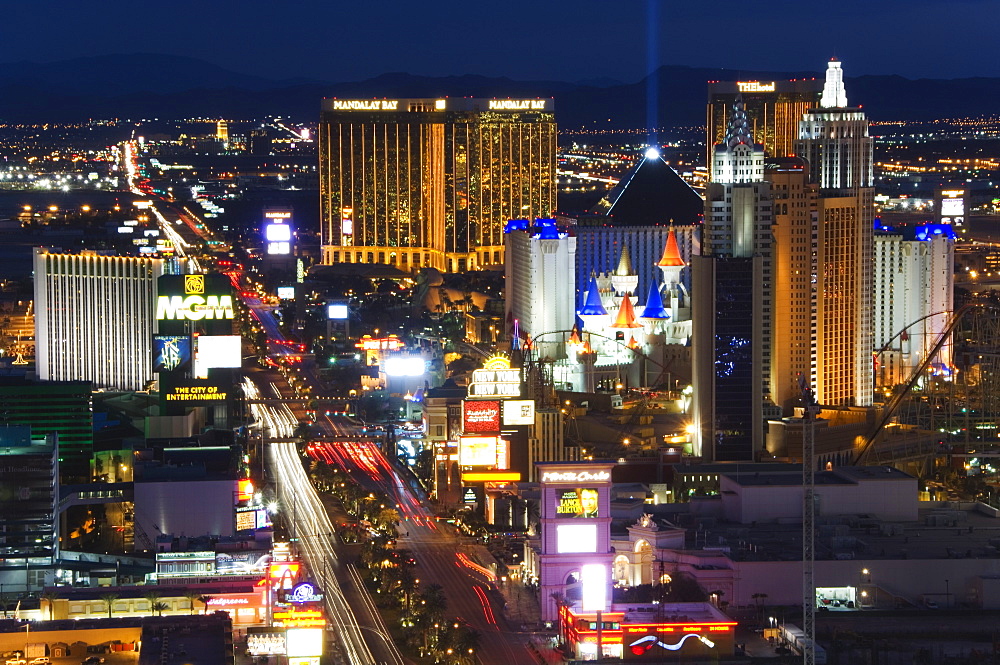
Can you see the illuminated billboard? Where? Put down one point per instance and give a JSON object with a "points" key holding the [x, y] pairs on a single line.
{"points": [[678, 641], [296, 618], [286, 293], [242, 563], [951, 206], [390, 343], [579, 502], [404, 366], [244, 489], [301, 642], [477, 450], [595, 582], [576, 538], [518, 412], [252, 517], [278, 232], [337, 311], [480, 416], [491, 477], [263, 641], [347, 221], [193, 298], [573, 476], [496, 379], [283, 574], [171, 353], [196, 393], [246, 519], [217, 351]]}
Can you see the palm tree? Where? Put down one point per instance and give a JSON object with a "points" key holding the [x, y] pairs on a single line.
{"points": [[159, 606], [302, 432], [205, 600], [50, 597], [759, 599], [153, 597], [109, 600], [192, 596], [433, 602]]}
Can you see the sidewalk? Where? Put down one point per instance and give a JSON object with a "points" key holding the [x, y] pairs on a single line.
{"points": [[520, 605]]}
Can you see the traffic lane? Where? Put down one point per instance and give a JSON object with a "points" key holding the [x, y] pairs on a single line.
{"points": [[467, 586], [294, 485]]}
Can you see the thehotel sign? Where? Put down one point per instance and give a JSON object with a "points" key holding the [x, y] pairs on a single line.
{"points": [[517, 104], [365, 104], [755, 86]]}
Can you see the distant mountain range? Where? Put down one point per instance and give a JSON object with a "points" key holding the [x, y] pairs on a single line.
{"points": [[172, 87]]}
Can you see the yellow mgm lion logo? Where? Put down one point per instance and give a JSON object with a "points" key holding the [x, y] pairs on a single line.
{"points": [[194, 284]]}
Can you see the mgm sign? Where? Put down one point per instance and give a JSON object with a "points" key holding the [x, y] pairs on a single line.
{"points": [[202, 298]]}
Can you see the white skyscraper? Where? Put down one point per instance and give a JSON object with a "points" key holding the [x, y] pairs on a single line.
{"points": [[541, 297], [835, 142], [834, 93], [914, 286], [94, 318]]}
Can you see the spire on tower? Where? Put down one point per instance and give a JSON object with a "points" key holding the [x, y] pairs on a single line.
{"points": [[654, 304], [593, 305], [626, 315], [738, 129], [834, 93], [671, 253], [624, 268]]}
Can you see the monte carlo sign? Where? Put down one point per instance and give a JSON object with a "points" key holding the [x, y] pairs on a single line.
{"points": [[200, 300]]}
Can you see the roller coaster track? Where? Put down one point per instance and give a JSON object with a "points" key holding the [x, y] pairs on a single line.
{"points": [[889, 412]]}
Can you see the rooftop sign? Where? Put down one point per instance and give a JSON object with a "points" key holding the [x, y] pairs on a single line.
{"points": [[574, 476], [755, 86], [496, 379], [517, 104], [365, 104]]}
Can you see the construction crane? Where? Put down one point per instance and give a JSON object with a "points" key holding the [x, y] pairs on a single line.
{"points": [[809, 528]]}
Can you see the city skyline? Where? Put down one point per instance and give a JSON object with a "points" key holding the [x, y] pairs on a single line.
{"points": [[266, 40]]}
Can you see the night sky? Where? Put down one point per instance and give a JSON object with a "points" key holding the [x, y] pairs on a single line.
{"points": [[566, 40]]}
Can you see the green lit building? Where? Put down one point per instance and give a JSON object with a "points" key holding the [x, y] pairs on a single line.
{"points": [[60, 407]]}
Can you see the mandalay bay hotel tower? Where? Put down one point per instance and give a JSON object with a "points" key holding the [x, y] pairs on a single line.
{"points": [[432, 182]]}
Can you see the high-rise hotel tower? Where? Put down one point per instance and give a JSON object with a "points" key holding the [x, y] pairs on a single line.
{"points": [[731, 307], [94, 317], [432, 182], [774, 109], [834, 141]]}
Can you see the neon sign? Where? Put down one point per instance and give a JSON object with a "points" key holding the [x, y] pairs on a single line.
{"points": [[755, 86], [517, 104], [194, 307], [644, 644], [365, 105], [222, 602], [303, 593], [300, 618], [574, 476], [496, 379]]}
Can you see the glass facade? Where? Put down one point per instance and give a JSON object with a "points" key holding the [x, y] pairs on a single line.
{"points": [[774, 113], [54, 406], [737, 377], [27, 500], [430, 182]]}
